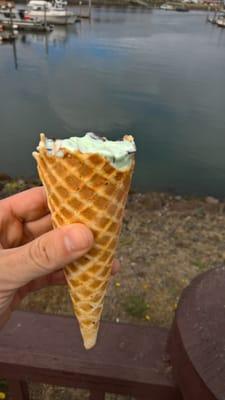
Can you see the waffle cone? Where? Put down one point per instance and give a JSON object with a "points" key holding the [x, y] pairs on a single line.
{"points": [[86, 188]]}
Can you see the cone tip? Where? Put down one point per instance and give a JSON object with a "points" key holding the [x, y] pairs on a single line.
{"points": [[90, 342]]}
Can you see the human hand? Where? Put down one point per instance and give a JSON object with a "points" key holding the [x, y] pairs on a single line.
{"points": [[32, 255]]}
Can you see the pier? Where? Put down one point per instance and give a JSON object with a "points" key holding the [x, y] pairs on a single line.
{"points": [[21, 25]]}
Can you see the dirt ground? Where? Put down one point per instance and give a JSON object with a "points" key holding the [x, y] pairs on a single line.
{"points": [[166, 241]]}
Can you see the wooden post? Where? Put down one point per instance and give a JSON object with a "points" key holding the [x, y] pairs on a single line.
{"points": [[46, 42], [10, 15], [18, 390], [89, 8], [45, 21]]}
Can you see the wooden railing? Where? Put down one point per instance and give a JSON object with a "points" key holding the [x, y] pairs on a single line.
{"points": [[128, 359], [45, 348]]}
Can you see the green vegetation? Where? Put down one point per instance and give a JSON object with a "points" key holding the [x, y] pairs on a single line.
{"points": [[9, 186], [135, 306], [200, 212], [3, 389], [14, 186], [201, 265], [3, 384]]}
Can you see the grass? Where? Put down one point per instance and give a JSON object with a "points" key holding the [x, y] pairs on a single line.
{"points": [[3, 384], [200, 212], [136, 306], [60, 393], [201, 265], [3, 389]]}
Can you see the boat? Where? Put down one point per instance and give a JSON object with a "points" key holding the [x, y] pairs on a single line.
{"points": [[217, 15], [166, 7], [7, 36], [54, 12], [212, 19], [182, 8], [221, 22], [13, 19]]}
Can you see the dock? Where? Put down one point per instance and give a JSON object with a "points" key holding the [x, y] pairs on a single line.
{"points": [[23, 25], [7, 37]]}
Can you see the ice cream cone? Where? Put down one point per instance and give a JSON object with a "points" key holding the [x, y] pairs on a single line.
{"points": [[86, 188]]}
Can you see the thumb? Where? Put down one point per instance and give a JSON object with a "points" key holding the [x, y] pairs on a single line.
{"points": [[47, 253]]}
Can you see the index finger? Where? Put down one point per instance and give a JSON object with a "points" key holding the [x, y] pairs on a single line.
{"points": [[29, 205]]}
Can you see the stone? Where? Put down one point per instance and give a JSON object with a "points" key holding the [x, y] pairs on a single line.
{"points": [[211, 200], [5, 177]]}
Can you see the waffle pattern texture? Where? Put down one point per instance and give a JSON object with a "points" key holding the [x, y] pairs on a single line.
{"points": [[86, 188]]}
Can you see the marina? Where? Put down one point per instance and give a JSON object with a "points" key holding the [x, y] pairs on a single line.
{"points": [[144, 72], [37, 16]]}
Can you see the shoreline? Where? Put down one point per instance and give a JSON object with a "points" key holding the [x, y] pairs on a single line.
{"points": [[12, 185], [142, 4]]}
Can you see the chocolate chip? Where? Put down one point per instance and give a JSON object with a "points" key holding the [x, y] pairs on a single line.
{"points": [[96, 137]]}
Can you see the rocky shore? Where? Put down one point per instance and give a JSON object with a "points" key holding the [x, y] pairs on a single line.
{"points": [[166, 241]]}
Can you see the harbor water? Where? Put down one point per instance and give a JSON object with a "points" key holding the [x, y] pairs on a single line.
{"points": [[157, 75]]}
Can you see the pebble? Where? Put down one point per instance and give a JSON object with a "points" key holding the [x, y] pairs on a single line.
{"points": [[145, 286], [211, 200]]}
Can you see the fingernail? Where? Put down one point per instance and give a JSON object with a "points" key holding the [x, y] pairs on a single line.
{"points": [[78, 238]]}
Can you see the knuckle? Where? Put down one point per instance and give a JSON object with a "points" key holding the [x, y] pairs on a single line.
{"points": [[38, 254]]}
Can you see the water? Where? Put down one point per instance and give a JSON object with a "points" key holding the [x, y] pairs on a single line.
{"points": [[157, 75]]}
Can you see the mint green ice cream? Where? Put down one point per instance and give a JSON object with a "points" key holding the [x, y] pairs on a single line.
{"points": [[119, 153]]}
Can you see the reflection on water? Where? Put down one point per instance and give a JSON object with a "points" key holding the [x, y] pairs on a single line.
{"points": [[157, 75], [15, 55]]}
